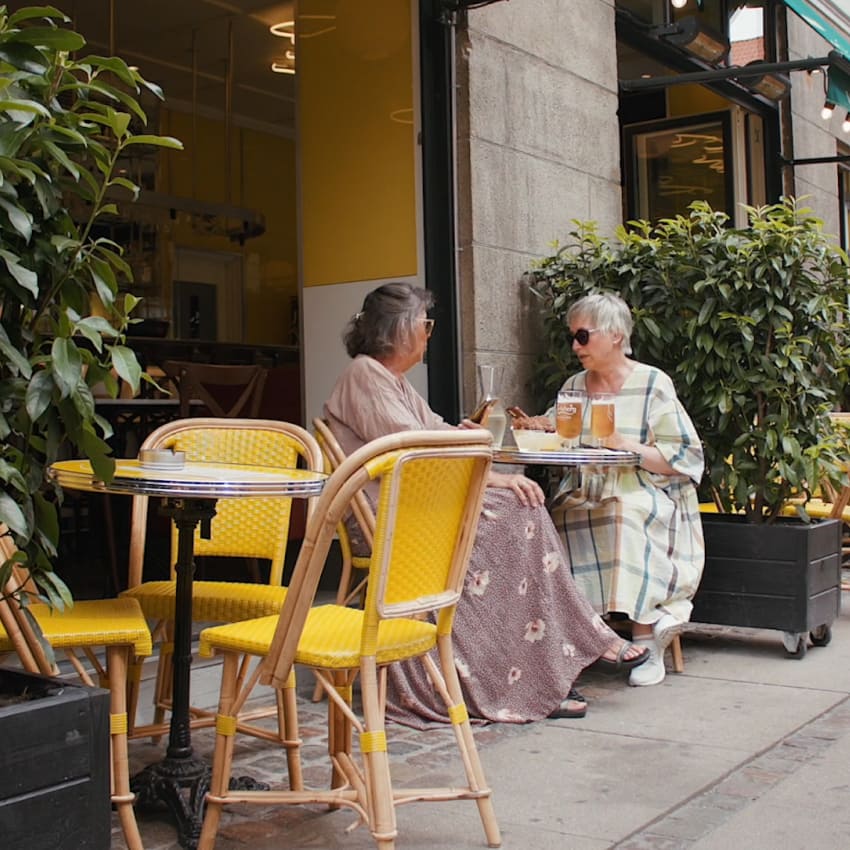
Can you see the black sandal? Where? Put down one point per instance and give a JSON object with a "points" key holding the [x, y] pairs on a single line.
{"points": [[564, 712], [605, 665]]}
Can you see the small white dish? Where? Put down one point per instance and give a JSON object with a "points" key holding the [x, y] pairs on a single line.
{"points": [[537, 441]]}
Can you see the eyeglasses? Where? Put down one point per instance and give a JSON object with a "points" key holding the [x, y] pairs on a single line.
{"points": [[582, 335], [429, 326]]}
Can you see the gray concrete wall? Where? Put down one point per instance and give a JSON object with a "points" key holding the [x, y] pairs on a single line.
{"points": [[538, 146], [812, 136]]}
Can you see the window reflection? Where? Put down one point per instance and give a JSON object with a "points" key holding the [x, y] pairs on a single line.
{"points": [[675, 163]]}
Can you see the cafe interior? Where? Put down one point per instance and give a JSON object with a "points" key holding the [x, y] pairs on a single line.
{"points": [[213, 238]]}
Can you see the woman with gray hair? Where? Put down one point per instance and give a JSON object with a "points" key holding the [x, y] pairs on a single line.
{"points": [[522, 631], [634, 538]]}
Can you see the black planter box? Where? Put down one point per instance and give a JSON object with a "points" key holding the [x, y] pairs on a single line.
{"points": [[785, 575], [54, 765]]}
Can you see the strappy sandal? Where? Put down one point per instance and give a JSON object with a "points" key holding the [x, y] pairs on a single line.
{"points": [[620, 663], [564, 712]]}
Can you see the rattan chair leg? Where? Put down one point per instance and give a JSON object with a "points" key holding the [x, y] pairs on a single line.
{"points": [[164, 676], [676, 653], [117, 658], [223, 753], [287, 722], [465, 740], [373, 745]]}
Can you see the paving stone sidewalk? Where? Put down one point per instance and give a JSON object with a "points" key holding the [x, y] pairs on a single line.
{"points": [[712, 759]]}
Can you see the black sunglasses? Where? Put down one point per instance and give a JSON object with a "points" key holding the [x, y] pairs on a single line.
{"points": [[582, 335]]}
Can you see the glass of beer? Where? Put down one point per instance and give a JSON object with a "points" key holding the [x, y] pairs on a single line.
{"points": [[601, 417], [569, 410]]}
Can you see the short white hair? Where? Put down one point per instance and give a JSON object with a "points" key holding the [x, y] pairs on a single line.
{"points": [[606, 311]]}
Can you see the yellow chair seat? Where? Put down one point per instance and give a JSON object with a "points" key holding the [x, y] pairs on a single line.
{"points": [[212, 601], [331, 639], [816, 508], [99, 622]]}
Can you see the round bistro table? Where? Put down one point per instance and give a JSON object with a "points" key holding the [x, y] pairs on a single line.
{"points": [[190, 493]]}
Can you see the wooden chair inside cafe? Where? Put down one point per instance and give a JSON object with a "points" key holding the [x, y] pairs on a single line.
{"points": [[218, 390], [243, 528], [431, 488], [116, 627]]}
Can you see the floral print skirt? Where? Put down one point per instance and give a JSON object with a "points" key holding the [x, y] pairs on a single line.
{"points": [[522, 632]]}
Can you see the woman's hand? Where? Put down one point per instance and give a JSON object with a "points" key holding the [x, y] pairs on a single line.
{"points": [[651, 458], [520, 419], [527, 491]]}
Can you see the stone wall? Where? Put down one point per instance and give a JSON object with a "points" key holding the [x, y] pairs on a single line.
{"points": [[537, 146], [817, 185]]}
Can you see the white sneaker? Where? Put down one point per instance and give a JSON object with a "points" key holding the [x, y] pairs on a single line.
{"points": [[652, 671], [665, 629]]}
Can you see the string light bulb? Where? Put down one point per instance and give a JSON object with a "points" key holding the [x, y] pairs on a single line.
{"points": [[845, 124], [826, 112], [678, 4]]}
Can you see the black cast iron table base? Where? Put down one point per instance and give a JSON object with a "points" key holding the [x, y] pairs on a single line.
{"points": [[181, 786], [181, 780]]}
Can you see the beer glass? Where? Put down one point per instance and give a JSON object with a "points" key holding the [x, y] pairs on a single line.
{"points": [[569, 410], [601, 417]]}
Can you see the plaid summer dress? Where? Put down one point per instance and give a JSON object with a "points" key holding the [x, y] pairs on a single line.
{"points": [[634, 538]]}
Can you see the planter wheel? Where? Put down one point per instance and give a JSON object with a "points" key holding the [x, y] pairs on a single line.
{"points": [[821, 635], [796, 643]]}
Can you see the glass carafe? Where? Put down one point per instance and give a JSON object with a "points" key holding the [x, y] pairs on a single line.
{"points": [[495, 422]]}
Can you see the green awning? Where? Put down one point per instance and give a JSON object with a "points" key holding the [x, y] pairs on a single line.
{"points": [[838, 81], [815, 19]]}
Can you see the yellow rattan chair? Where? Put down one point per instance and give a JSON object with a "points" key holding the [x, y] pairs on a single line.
{"points": [[352, 564], [247, 528], [829, 503], [432, 485], [354, 570], [116, 625]]}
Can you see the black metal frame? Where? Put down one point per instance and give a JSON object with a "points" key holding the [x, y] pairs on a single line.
{"points": [[628, 160], [437, 85]]}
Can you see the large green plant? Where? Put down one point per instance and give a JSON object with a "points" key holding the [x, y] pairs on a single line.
{"points": [[65, 122], [749, 322]]}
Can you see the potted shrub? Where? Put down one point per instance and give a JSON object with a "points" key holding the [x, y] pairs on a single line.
{"points": [[751, 325], [66, 122]]}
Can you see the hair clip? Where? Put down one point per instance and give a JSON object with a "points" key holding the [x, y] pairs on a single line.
{"points": [[358, 316]]}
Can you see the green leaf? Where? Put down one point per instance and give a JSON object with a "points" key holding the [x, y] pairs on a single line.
{"points": [[19, 218], [27, 108], [158, 141], [67, 365], [12, 515], [52, 37], [62, 158], [39, 394], [127, 366], [25, 57], [30, 12], [25, 277]]}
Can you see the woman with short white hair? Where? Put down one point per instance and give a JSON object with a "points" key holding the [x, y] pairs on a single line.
{"points": [[634, 539]]}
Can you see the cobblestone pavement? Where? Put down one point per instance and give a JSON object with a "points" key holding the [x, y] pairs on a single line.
{"points": [[745, 748], [413, 754]]}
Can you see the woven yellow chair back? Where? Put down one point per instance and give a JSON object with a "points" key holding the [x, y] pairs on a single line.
{"points": [[419, 524], [432, 486], [244, 527], [333, 456]]}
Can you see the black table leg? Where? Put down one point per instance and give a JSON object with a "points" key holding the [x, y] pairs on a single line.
{"points": [[180, 780]]}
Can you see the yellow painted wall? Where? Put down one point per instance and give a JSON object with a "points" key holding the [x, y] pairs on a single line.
{"points": [[262, 178], [693, 100], [358, 190]]}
